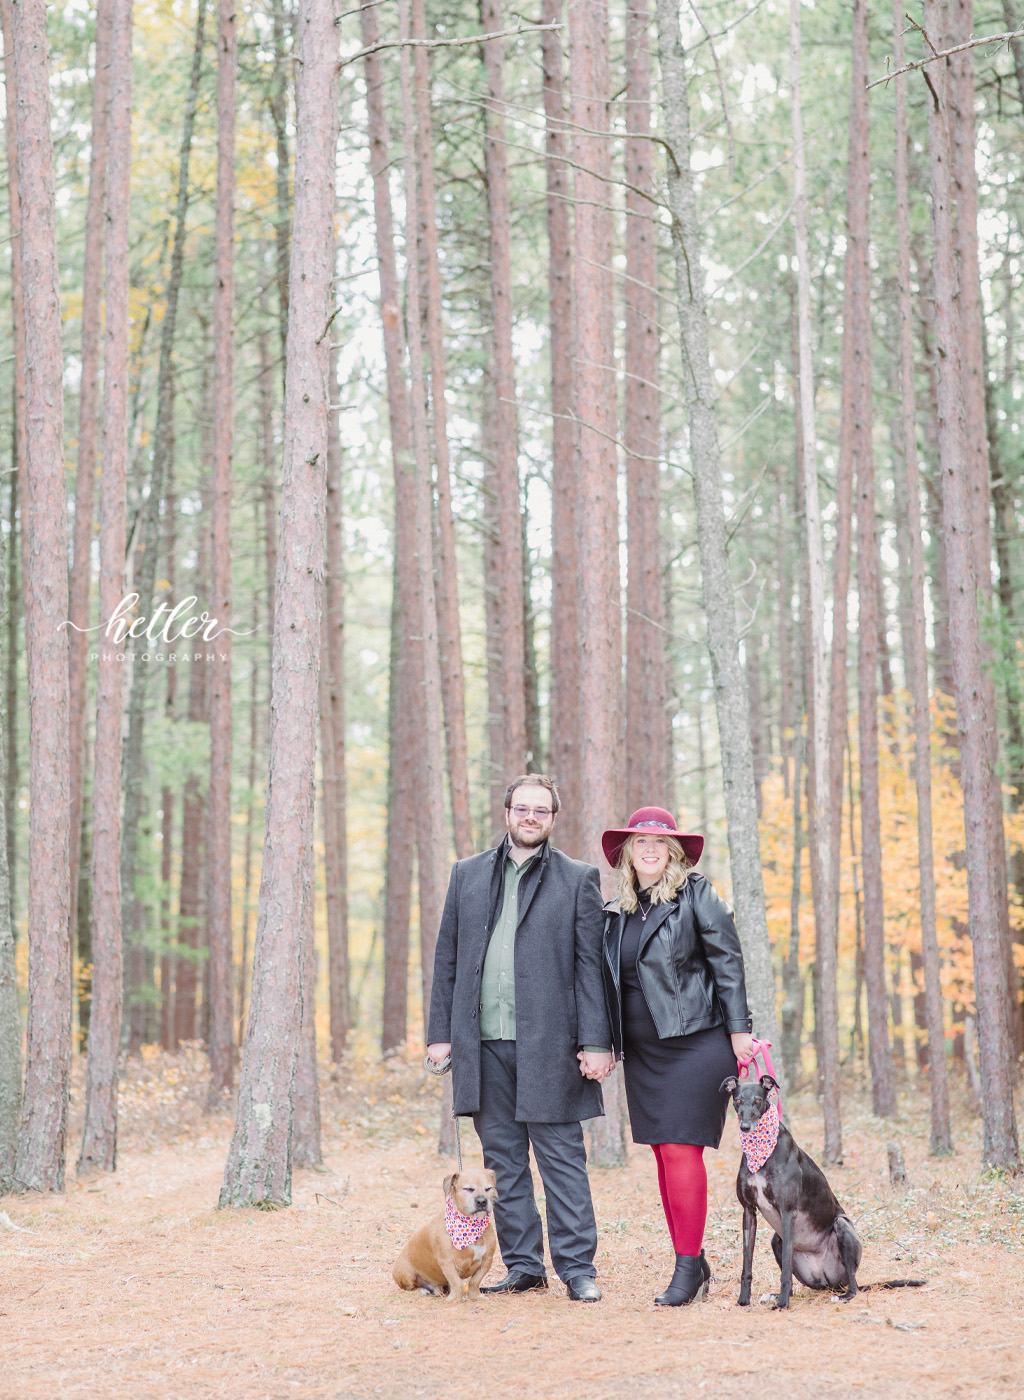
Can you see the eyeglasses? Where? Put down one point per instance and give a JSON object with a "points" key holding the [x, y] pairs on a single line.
{"points": [[521, 813]]}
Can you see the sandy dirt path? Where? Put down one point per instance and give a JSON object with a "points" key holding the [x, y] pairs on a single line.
{"points": [[134, 1286]]}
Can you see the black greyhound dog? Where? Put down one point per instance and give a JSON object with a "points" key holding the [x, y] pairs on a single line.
{"points": [[814, 1237]]}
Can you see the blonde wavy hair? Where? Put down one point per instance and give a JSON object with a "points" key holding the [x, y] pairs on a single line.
{"points": [[674, 878]]}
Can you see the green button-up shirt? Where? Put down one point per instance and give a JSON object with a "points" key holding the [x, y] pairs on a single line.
{"points": [[498, 986]]}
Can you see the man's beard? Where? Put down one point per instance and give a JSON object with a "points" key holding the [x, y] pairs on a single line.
{"points": [[526, 840]]}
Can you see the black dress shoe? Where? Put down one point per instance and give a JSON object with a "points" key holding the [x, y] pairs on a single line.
{"points": [[517, 1283], [689, 1281], [583, 1289]]}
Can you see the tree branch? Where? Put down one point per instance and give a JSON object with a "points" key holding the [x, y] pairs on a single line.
{"points": [[947, 53], [445, 43]]}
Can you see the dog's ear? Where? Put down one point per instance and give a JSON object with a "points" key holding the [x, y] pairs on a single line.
{"points": [[492, 1178], [768, 1083], [448, 1185], [729, 1086]]}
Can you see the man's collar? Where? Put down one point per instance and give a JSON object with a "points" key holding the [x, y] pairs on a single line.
{"points": [[505, 852]]}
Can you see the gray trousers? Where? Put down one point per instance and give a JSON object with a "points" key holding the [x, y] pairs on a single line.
{"points": [[562, 1162]]}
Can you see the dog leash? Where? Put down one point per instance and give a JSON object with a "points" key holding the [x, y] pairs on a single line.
{"points": [[762, 1048], [439, 1071]]}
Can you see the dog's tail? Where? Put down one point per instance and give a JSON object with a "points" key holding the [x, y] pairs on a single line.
{"points": [[893, 1283]]}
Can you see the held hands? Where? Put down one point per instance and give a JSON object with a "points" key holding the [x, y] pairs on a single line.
{"points": [[596, 1064], [742, 1046]]}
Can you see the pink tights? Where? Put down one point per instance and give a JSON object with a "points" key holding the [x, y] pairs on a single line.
{"points": [[683, 1181]]}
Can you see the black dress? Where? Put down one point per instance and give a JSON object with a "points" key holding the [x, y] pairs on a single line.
{"points": [[672, 1085]]}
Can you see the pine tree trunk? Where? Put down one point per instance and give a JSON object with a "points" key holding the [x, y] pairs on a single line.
{"points": [[279, 116], [10, 1011], [645, 650], [332, 740], [222, 1021], [244, 971], [916, 656], [11, 678], [405, 692], [453, 683], [508, 554], [88, 428], [719, 599], [258, 1168], [99, 1138], [306, 1144], [975, 720], [43, 1143], [564, 747], [167, 796], [431, 858], [145, 545]]}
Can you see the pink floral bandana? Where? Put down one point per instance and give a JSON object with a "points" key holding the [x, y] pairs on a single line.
{"points": [[463, 1230], [759, 1144]]}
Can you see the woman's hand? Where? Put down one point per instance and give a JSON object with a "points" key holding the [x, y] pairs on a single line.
{"points": [[742, 1046], [596, 1064]]}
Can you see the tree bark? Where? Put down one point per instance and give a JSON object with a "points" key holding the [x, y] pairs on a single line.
{"points": [[279, 117], [453, 685], [858, 330], [258, 1168], [10, 1011], [406, 689], [306, 1144], [43, 1143], [88, 427], [332, 738], [508, 554], [564, 747], [974, 718], [645, 647], [146, 542], [168, 958], [99, 1137], [719, 599], [222, 1021], [916, 656]]}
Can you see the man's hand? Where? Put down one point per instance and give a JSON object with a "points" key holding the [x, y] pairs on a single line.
{"points": [[439, 1050], [742, 1046], [596, 1064]]}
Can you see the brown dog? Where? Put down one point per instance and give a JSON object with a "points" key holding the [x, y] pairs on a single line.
{"points": [[433, 1261]]}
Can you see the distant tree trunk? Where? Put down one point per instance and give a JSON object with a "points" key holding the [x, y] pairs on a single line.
{"points": [[858, 329], [19, 455], [645, 635], [719, 599], [279, 116], [10, 1011], [792, 981], [453, 683], [222, 1001], [99, 1138], [269, 466], [258, 1168], [975, 721], [916, 656], [168, 958], [306, 1144], [332, 737], [43, 1143], [508, 552], [492, 623], [564, 752], [250, 824], [146, 541], [531, 678], [405, 691], [758, 756], [432, 854], [88, 427]]}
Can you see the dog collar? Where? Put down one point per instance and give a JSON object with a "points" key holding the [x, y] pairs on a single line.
{"points": [[759, 1144], [463, 1230]]}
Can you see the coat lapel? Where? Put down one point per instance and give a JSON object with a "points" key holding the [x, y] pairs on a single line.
{"points": [[613, 945], [655, 919]]}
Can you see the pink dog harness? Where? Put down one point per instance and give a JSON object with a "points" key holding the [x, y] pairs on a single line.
{"points": [[759, 1144], [464, 1230]]}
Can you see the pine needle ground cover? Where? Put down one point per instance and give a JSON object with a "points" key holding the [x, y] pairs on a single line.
{"points": [[133, 1285]]}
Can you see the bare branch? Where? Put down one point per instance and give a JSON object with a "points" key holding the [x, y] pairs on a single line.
{"points": [[1006, 39], [445, 43]]}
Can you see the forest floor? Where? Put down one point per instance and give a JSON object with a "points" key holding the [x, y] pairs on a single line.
{"points": [[134, 1286]]}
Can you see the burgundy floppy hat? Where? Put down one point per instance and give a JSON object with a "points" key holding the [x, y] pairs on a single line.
{"points": [[651, 821]]}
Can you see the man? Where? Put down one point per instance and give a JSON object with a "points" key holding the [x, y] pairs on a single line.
{"points": [[518, 1002]]}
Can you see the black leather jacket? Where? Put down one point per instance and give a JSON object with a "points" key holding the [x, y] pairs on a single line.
{"points": [[689, 963]]}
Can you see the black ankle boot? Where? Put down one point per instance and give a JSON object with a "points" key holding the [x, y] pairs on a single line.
{"points": [[689, 1281]]}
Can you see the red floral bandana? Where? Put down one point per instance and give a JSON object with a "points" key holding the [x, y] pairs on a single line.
{"points": [[463, 1230], [759, 1144]]}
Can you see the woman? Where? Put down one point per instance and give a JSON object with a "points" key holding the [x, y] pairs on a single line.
{"points": [[680, 1021]]}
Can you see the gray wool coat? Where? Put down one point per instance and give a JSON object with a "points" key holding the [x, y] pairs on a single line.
{"points": [[560, 1003]]}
